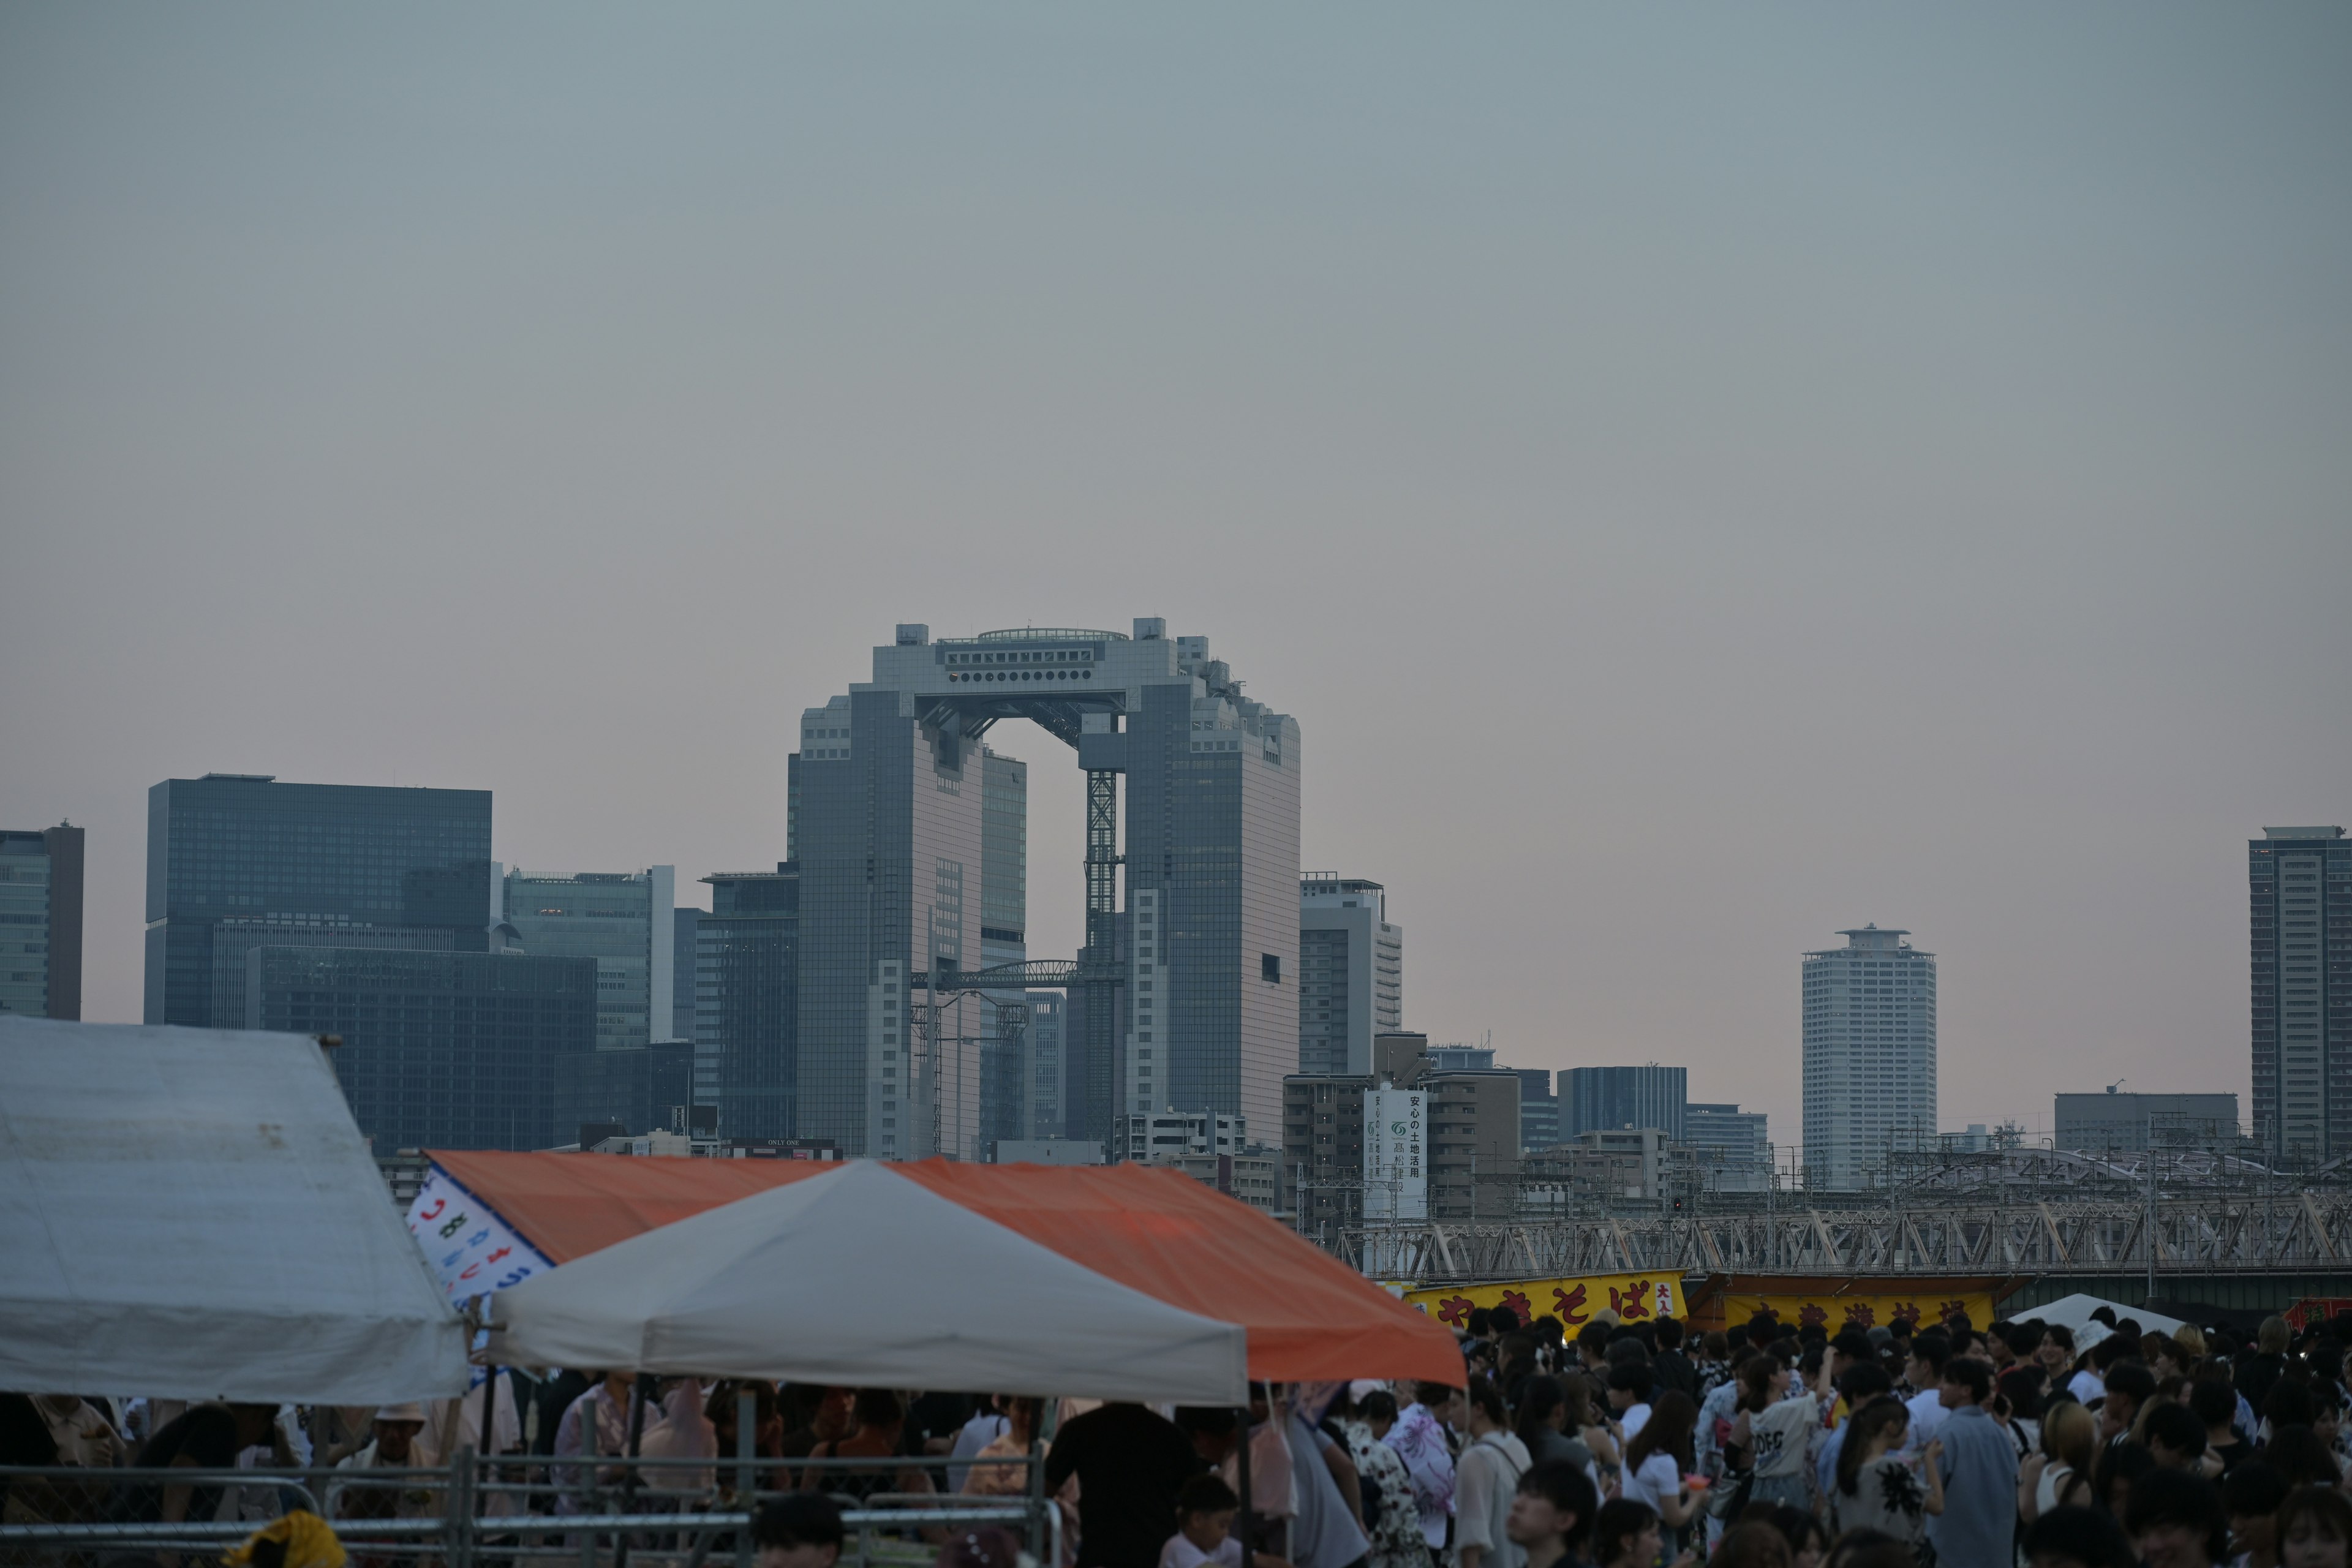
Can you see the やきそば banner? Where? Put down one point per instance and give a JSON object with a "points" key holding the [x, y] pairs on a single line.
{"points": [[1635, 1297]]}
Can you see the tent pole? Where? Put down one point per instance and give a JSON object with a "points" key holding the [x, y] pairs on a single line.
{"points": [[1245, 1523], [629, 1476], [747, 1410]]}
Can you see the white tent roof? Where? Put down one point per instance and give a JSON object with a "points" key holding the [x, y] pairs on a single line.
{"points": [[2075, 1311], [192, 1212], [864, 1277]]}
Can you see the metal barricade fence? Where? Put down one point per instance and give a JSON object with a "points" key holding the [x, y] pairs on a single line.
{"points": [[477, 1512]]}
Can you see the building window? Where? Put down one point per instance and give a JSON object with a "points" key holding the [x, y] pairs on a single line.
{"points": [[1269, 967]]}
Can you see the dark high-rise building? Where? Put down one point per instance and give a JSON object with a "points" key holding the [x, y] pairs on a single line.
{"points": [[40, 922], [638, 1089], [1610, 1099], [2299, 880], [243, 846], [888, 813], [454, 1050], [1539, 1108], [747, 1013]]}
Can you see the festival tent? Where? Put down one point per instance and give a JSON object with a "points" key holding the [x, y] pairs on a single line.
{"points": [[2074, 1311], [192, 1214], [1308, 1316], [862, 1278]]}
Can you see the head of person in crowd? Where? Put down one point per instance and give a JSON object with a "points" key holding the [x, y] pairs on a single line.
{"points": [[1753, 1546], [1629, 1385], [1995, 1343], [396, 1427], [2162, 1353], [2056, 1352], [1965, 1381], [2025, 1342], [1716, 1346], [2193, 1345], [2216, 1404], [1552, 1511], [1808, 1541], [2176, 1520], [1875, 1430], [1869, 1549], [1542, 1408], [1863, 1382], [1627, 1350], [1550, 1330], [2129, 1385], [2297, 1453], [1501, 1321], [1762, 1330], [1762, 1380], [767, 1416], [2274, 1337], [2174, 1436], [2070, 1436], [2289, 1403], [1592, 1344], [2315, 1528], [829, 1412], [2251, 1496], [1482, 1323], [2078, 1538], [878, 1419], [1205, 1508], [801, 1529], [1626, 1535], [1378, 1411], [1922, 1368], [2020, 1385], [1671, 1429], [1669, 1332], [1486, 1412], [1214, 1431], [2120, 1467]]}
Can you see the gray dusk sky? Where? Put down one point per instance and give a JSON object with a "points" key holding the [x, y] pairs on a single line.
{"points": [[1701, 476]]}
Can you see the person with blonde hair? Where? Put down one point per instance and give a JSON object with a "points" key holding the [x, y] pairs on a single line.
{"points": [[2058, 1476]]}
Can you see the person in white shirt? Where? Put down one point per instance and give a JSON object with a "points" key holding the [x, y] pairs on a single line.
{"points": [[1925, 1372], [1205, 1507], [986, 1426], [1488, 1474], [1629, 1398]]}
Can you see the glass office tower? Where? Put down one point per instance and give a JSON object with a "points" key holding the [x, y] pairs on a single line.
{"points": [[451, 1050], [40, 922], [746, 1010], [243, 846], [623, 921]]}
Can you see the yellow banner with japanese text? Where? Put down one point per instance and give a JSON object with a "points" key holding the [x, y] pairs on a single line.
{"points": [[1575, 1303], [1832, 1308]]}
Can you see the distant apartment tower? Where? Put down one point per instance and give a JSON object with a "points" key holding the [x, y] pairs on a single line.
{"points": [[40, 922], [244, 848], [2299, 881], [1350, 974], [1612, 1100], [747, 1002], [1869, 1056], [1193, 999], [685, 930], [623, 921], [1733, 1148]]}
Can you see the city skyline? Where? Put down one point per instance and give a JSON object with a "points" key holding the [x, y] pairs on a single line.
{"points": [[1699, 486]]}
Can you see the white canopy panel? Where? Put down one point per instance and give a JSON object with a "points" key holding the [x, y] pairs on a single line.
{"points": [[191, 1213], [863, 1277], [2075, 1311]]}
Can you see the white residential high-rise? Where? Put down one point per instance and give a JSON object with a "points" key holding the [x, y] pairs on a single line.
{"points": [[1350, 974], [1870, 1055]]}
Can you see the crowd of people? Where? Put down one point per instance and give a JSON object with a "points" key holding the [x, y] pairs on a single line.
{"points": [[1624, 1445]]}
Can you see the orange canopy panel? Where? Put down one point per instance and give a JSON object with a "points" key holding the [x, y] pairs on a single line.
{"points": [[571, 1205], [1309, 1317]]}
